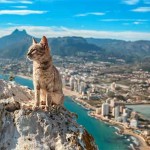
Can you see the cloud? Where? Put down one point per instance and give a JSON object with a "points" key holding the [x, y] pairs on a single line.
{"points": [[131, 2], [90, 13], [12, 24], [124, 20], [19, 6], [39, 31], [21, 12], [136, 22], [16, 1], [141, 9], [26, 2]]}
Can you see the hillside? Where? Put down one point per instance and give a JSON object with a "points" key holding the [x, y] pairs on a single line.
{"points": [[16, 45], [127, 50]]}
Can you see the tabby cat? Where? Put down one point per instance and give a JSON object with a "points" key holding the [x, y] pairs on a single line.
{"points": [[46, 78]]}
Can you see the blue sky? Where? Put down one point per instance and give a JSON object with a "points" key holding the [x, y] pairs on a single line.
{"points": [[119, 19]]}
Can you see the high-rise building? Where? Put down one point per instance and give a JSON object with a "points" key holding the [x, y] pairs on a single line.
{"points": [[113, 111], [105, 109], [124, 118], [117, 112], [63, 81], [71, 82], [75, 86], [121, 109], [127, 111], [112, 103], [133, 123]]}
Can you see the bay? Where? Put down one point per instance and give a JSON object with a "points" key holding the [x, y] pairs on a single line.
{"points": [[142, 109]]}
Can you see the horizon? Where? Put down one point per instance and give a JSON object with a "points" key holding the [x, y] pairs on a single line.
{"points": [[26, 32], [127, 20]]}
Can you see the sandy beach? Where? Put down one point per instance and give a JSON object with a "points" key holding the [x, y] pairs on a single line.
{"points": [[23, 76], [70, 93]]}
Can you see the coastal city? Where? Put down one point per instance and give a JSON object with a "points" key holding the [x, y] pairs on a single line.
{"points": [[105, 88]]}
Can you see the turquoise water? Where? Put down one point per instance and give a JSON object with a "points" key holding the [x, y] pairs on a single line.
{"points": [[104, 134], [143, 109]]}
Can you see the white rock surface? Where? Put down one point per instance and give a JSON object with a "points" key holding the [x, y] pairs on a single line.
{"points": [[22, 128]]}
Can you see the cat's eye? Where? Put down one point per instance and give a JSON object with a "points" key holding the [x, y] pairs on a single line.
{"points": [[33, 51]]}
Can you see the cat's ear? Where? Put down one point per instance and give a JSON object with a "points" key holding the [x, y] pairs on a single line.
{"points": [[44, 41], [34, 41]]}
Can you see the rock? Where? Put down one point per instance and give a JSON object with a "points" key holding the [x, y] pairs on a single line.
{"points": [[22, 128]]}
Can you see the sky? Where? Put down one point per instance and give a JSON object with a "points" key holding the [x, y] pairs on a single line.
{"points": [[115, 19]]}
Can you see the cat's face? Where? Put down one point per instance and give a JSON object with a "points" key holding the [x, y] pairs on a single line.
{"points": [[38, 51]]}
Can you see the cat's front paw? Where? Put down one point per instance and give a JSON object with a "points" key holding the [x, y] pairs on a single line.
{"points": [[36, 106], [47, 108]]}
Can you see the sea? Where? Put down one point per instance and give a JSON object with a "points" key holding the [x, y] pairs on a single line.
{"points": [[144, 110], [105, 135]]}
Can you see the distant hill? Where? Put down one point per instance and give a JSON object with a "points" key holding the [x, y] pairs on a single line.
{"points": [[17, 43], [123, 49]]}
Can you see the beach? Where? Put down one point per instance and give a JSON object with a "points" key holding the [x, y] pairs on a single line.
{"points": [[76, 97], [23, 76], [123, 130], [143, 145]]}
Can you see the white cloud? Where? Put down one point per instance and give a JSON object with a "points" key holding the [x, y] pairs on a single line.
{"points": [[136, 22], [12, 24], [26, 2], [19, 6], [6, 1], [130, 2], [21, 12], [124, 21], [90, 13], [16, 1], [116, 20], [141, 9], [39, 31]]}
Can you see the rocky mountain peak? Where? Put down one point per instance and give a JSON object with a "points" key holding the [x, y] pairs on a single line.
{"points": [[19, 32], [22, 128]]}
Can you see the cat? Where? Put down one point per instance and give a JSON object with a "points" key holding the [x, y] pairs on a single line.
{"points": [[46, 78]]}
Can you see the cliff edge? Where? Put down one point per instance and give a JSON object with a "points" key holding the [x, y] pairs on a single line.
{"points": [[22, 128]]}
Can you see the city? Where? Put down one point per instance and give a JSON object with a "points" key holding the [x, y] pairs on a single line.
{"points": [[105, 88]]}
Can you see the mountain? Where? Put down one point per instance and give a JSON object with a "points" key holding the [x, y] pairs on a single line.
{"points": [[67, 46], [22, 128], [17, 43], [127, 50]]}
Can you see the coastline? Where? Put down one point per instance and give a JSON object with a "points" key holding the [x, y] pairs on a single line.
{"points": [[142, 146], [123, 131], [23, 76], [76, 97]]}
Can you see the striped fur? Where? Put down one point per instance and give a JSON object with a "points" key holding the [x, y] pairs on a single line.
{"points": [[46, 78]]}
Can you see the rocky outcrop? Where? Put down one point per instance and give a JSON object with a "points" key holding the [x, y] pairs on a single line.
{"points": [[22, 128]]}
